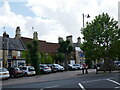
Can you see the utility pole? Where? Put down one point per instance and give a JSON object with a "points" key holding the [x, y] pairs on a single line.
{"points": [[88, 16]]}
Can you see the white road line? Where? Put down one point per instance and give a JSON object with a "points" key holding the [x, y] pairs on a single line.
{"points": [[52, 86], [113, 81], [93, 80], [117, 87], [81, 86]]}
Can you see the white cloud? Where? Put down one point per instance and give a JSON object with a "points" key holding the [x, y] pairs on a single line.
{"points": [[10, 19], [56, 18]]}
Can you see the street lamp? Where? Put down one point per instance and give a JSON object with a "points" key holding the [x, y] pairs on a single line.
{"points": [[88, 16]]}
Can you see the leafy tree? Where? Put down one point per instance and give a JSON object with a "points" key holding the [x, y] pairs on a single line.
{"points": [[49, 60], [100, 37], [65, 48], [33, 55], [25, 54], [59, 58], [46, 59]]}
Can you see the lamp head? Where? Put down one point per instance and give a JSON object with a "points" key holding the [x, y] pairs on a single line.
{"points": [[88, 16]]}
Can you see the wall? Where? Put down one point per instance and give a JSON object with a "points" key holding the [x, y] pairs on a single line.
{"points": [[1, 54], [15, 53]]}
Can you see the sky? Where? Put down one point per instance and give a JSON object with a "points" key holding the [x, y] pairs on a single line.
{"points": [[51, 18]]}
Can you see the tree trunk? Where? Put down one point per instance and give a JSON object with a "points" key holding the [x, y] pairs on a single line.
{"points": [[66, 62]]}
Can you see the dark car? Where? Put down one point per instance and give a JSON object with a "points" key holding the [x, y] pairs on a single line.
{"points": [[15, 72]]}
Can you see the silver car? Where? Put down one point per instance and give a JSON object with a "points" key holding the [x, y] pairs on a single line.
{"points": [[78, 66], [45, 69], [59, 67], [4, 73]]}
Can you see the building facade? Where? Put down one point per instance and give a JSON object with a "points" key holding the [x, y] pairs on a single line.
{"points": [[11, 51]]}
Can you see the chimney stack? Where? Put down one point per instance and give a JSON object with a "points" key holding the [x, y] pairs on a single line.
{"points": [[60, 39], [5, 47], [18, 35], [70, 39], [35, 36], [79, 40]]}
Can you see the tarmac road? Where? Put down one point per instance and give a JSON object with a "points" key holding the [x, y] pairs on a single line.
{"points": [[108, 81]]}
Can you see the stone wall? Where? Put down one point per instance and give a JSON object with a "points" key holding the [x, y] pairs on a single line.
{"points": [[1, 54], [15, 53]]}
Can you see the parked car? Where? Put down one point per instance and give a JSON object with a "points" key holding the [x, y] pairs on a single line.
{"points": [[78, 66], [52, 67], [117, 63], [28, 70], [59, 67], [4, 73], [45, 69], [71, 67], [15, 72]]}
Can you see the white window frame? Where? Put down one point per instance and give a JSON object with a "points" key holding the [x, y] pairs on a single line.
{"points": [[19, 54]]}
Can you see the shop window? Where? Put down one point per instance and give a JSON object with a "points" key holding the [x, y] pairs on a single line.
{"points": [[9, 53]]}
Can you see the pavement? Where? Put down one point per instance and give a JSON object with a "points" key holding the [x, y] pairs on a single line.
{"points": [[47, 77]]}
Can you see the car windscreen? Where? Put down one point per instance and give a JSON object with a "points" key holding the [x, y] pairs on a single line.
{"points": [[17, 69], [31, 68], [3, 70], [75, 65]]}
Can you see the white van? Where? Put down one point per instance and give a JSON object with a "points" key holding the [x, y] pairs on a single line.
{"points": [[28, 70]]}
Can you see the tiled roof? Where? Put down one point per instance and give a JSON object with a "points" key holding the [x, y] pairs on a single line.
{"points": [[14, 44], [44, 46]]}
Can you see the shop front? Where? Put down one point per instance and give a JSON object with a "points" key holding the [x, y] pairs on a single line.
{"points": [[16, 62]]}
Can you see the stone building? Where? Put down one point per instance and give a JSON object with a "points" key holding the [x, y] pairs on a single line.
{"points": [[11, 50], [75, 56]]}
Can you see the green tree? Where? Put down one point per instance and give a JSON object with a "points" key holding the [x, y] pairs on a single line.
{"points": [[49, 60], [46, 59], [33, 55], [25, 54], [100, 36], [65, 48], [59, 58]]}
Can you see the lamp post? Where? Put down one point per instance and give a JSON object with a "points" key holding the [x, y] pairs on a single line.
{"points": [[88, 16]]}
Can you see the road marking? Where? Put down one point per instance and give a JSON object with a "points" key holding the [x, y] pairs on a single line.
{"points": [[113, 81], [117, 87], [81, 86], [52, 86], [93, 80]]}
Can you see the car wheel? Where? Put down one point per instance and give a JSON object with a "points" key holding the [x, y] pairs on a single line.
{"points": [[25, 74], [57, 70], [12, 76]]}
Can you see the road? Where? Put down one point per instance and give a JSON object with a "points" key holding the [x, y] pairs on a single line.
{"points": [[91, 81]]}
